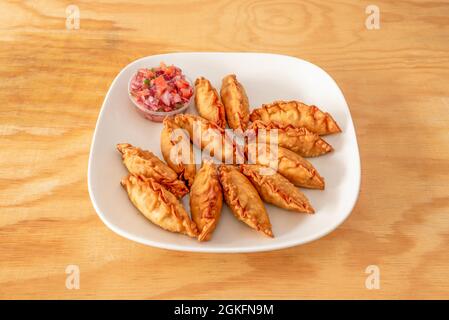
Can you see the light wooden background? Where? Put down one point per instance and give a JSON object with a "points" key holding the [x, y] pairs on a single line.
{"points": [[52, 84]]}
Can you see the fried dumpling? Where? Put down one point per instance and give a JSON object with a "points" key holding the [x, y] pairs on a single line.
{"points": [[292, 166], [206, 200], [158, 205], [210, 138], [243, 199], [275, 189], [144, 163], [300, 140], [208, 102], [296, 114], [235, 102], [177, 150]]}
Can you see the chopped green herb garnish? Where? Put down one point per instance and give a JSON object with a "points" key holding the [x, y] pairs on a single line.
{"points": [[147, 82]]}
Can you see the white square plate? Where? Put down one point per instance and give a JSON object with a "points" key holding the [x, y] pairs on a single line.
{"points": [[266, 77]]}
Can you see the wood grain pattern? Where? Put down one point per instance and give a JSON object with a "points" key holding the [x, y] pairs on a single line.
{"points": [[53, 81]]}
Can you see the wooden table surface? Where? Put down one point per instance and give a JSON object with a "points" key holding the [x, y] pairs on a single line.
{"points": [[395, 80]]}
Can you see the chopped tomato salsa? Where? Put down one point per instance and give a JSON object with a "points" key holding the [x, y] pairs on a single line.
{"points": [[161, 89]]}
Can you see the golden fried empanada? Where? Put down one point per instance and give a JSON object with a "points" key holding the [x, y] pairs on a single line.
{"points": [[144, 163], [292, 166], [208, 102], [243, 199], [300, 140], [209, 137], [275, 189], [235, 102], [206, 200], [177, 150], [158, 205], [296, 114]]}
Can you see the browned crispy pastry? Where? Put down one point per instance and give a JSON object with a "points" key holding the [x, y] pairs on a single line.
{"points": [[235, 102], [209, 137], [177, 150], [206, 200], [300, 140], [158, 205], [296, 114], [243, 199], [208, 102], [275, 189], [292, 166], [144, 163]]}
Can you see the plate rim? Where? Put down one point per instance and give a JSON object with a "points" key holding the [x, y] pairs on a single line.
{"points": [[246, 249]]}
